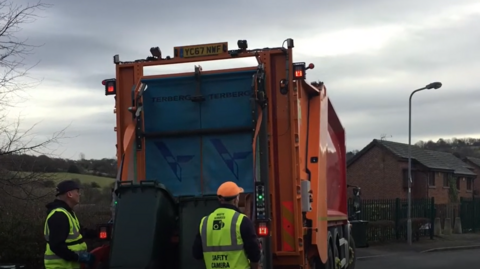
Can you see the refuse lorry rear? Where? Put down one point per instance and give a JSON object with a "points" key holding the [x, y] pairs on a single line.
{"points": [[179, 136]]}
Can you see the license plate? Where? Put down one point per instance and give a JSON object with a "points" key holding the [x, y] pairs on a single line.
{"points": [[212, 49]]}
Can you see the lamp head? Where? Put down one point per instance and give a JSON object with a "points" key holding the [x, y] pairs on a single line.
{"points": [[434, 85]]}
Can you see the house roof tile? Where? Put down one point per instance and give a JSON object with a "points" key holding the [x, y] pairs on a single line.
{"points": [[475, 161]]}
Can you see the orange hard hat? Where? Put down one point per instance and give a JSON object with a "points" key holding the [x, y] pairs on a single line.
{"points": [[229, 189]]}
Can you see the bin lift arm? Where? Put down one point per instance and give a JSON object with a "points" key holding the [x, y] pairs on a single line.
{"points": [[136, 111]]}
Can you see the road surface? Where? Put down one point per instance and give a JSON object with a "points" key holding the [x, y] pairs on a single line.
{"points": [[433, 260]]}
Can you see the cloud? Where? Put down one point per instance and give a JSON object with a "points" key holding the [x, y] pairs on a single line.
{"points": [[371, 54], [370, 89]]}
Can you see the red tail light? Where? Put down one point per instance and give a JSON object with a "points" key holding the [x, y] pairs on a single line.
{"points": [[262, 229], [110, 86], [104, 232]]}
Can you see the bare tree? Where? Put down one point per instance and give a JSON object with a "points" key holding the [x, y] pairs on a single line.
{"points": [[15, 142], [14, 50]]}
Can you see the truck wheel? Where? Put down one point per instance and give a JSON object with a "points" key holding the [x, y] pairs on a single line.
{"points": [[336, 259], [331, 258], [316, 263], [352, 254]]}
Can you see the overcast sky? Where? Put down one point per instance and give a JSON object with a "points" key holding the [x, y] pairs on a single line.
{"points": [[371, 54]]}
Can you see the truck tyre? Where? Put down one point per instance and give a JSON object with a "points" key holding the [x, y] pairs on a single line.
{"points": [[317, 263], [352, 255], [331, 258], [336, 257]]}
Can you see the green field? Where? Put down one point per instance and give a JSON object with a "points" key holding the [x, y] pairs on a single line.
{"points": [[86, 179]]}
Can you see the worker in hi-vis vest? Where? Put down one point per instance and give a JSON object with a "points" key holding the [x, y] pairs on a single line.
{"points": [[226, 237], [65, 248]]}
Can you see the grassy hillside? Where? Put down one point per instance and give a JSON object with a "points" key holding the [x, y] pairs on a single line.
{"points": [[86, 179]]}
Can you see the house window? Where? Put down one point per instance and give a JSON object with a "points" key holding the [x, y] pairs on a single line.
{"points": [[469, 184], [431, 179], [458, 182], [445, 180]]}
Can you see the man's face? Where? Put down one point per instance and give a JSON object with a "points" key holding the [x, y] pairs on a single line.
{"points": [[74, 196]]}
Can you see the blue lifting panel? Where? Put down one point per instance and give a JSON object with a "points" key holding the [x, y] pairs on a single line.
{"points": [[179, 162]]}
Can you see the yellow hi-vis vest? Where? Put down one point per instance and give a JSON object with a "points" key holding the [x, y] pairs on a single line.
{"points": [[74, 242], [221, 240]]}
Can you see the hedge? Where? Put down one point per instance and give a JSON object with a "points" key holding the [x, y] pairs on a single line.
{"points": [[22, 218]]}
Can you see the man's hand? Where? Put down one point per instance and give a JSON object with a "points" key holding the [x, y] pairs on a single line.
{"points": [[86, 258]]}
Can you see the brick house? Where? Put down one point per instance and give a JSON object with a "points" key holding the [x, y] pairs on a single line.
{"points": [[381, 170], [475, 164]]}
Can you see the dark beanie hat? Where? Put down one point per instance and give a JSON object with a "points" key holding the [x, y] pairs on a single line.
{"points": [[66, 186]]}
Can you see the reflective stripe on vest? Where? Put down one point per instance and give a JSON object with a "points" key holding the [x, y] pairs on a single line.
{"points": [[73, 222], [233, 237], [74, 242], [55, 257]]}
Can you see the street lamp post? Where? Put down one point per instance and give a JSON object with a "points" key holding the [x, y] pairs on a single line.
{"points": [[433, 85]]}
